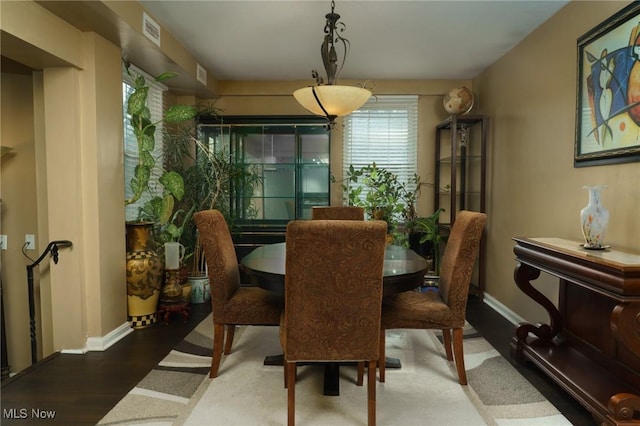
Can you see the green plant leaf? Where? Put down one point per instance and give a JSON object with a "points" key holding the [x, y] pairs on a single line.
{"points": [[173, 231], [180, 113], [152, 210], [147, 160], [141, 173], [147, 141], [139, 82], [174, 184], [137, 101], [166, 76], [138, 183], [166, 210]]}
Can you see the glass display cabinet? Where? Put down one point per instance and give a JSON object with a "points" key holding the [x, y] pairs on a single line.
{"points": [[290, 155], [460, 174]]}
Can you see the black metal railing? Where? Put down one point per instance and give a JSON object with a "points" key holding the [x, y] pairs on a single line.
{"points": [[52, 248]]}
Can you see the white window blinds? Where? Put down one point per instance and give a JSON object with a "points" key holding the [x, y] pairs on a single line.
{"points": [[156, 108], [385, 131]]}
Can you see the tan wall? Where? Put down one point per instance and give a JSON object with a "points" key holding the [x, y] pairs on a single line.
{"points": [[66, 184], [103, 192], [19, 210], [534, 190]]}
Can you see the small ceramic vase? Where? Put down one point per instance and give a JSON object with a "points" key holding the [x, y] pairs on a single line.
{"points": [[594, 219]]}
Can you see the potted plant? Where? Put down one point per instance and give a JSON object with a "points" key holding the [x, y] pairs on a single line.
{"points": [[144, 270], [210, 179], [425, 238], [387, 198], [144, 130], [210, 176], [160, 208]]}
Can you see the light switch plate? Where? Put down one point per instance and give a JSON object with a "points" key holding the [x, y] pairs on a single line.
{"points": [[29, 242], [3, 242]]}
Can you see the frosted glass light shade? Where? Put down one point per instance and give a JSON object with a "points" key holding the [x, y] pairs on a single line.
{"points": [[336, 100]]}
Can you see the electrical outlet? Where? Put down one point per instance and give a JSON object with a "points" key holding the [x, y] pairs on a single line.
{"points": [[29, 242], [3, 242]]}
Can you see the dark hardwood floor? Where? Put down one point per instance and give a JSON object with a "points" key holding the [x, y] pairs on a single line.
{"points": [[498, 331], [81, 389]]}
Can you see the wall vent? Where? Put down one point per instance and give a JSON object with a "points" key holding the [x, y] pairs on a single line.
{"points": [[151, 29], [201, 74]]}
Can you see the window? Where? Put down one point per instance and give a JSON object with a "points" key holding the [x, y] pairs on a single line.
{"points": [[156, 107], [385, 131]]}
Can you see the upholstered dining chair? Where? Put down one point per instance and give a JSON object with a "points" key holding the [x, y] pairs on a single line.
{"points": [[232, 304], [446, 308], [337, 213], [333, 296]]}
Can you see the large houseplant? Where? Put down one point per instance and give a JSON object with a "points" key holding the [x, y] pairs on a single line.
{"points": [[211, 176], [144, 273], [387, 198], [160, 207], [393, 201]]}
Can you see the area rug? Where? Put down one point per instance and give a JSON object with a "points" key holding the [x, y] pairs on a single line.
{"points": [[425, 391]]}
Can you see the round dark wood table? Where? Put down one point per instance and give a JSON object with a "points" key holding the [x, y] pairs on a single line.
{"points": [[404, 270]]}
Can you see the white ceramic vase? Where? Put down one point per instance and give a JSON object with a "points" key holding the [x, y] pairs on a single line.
{"points": [[594, 219]]}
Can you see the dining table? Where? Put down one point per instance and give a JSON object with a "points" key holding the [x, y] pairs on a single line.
{"points": [[403, 270]]}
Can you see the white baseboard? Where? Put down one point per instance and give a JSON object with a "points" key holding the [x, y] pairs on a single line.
{"points": [[511, 316], [105, 342], [74, 351], [102, 343]]}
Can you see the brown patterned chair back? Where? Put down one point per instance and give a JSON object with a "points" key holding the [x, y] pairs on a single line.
{"points": [[445, 310], [337, 213], [458, 260], [232, 304], [220, 255], [333, 290]]}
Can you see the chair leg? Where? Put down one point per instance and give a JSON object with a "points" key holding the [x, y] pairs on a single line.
{"points": [[446, 341], [360, 380], [286, 375], [383, 357], [459, 354], [231, 331], [218, 339], [371, 393], [291, 393]]}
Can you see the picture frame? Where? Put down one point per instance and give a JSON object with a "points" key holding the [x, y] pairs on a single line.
{"points": [[608, 91]]}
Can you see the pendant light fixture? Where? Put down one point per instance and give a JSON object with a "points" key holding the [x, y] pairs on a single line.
{"points": [[332, 100]]}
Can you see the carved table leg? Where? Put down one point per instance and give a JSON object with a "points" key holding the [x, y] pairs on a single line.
{"points": [[624, 407], [523, 275], [625, 325]]}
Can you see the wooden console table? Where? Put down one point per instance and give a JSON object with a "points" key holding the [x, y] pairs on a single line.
{"points": [[591, 347]]}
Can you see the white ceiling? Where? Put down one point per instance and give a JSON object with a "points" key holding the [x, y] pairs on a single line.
{"points": [[393, 39]]}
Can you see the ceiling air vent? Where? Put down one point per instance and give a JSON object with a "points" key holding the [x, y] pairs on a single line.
{"points": [[151, 29], [201, 74]]}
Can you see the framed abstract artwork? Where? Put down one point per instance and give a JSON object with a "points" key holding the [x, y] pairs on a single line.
{"points": [[608, 92]]}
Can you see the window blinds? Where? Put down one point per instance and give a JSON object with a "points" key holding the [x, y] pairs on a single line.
{"points": [[384, 131]]}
